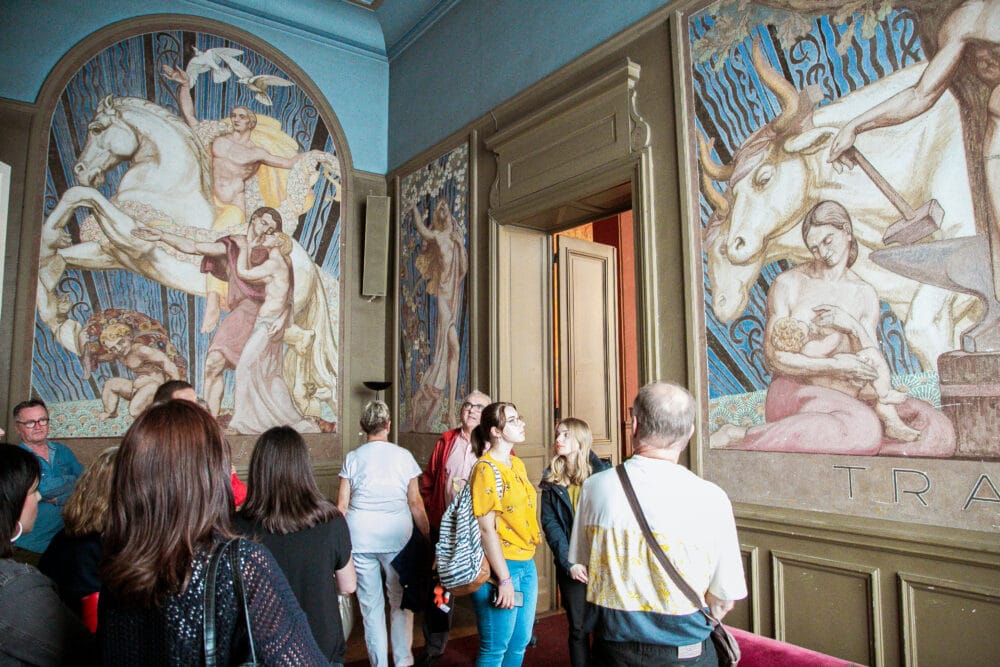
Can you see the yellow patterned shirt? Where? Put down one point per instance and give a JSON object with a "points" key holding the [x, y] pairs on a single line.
{"points": [[516, 512]]}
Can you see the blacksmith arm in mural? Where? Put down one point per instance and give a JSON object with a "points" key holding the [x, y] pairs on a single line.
{"points": [[168, 186], [970, 31]]}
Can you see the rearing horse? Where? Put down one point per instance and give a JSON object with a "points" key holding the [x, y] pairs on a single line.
{"points": [[168, 182]]}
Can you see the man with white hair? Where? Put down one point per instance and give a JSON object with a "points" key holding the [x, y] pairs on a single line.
{"points": [[446, 474], [642, 616]]}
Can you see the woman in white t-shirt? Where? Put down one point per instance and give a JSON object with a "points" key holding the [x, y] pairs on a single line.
{"points": [[380, 496]]}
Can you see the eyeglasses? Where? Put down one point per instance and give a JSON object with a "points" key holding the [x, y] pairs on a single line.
{"points": [[32, 423], [474, 407]]}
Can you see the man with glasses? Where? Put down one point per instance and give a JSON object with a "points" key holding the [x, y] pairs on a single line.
{"points": [[60, 470], [446, 474]]}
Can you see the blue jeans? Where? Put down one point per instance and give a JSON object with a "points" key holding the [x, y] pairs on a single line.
{"points": [[504, 633], [637, 654]]}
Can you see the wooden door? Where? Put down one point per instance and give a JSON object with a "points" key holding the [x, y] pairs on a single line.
{"points": [[588, 340], [522, 343]]}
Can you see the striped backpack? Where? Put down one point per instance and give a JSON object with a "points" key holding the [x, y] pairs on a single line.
{"points": [[461, 562]]}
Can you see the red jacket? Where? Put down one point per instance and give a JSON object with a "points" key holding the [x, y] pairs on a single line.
{"points": [[432, 481]]}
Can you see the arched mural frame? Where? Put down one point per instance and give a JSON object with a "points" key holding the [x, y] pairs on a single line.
{"points": [[29, 242]]}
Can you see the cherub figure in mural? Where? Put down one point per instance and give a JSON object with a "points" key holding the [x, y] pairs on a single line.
{"points": [[262, 399], [969, 33], [241, 149], [814, 403], [142, 345], [443, 263], [244, 299]]}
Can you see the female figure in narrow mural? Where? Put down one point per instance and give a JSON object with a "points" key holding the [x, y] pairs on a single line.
{"points": [[814, 403], [443, 263]]}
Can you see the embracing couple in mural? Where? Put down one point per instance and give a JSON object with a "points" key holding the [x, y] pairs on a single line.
{"points": [[209, 208]]}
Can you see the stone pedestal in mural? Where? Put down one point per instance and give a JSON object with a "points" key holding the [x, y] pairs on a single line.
{"points": [[970, 397]]}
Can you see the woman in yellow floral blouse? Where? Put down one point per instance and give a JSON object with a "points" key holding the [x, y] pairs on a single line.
{"points": [[505, 503]]}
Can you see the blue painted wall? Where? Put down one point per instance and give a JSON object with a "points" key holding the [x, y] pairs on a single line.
{"points": [[483, 53], [338, 45]]}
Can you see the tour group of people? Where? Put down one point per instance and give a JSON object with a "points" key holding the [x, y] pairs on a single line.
{"points": [[157, 553]]}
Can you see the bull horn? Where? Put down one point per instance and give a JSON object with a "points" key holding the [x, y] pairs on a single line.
{"points": [[788, 96], [719, 172], [718, 202]]}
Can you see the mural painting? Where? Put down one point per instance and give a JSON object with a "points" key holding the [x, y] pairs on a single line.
{"points": [[191, 231], [847, 205], [434, 308]]}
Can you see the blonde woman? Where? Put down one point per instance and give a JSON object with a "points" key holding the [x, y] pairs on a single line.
{"points": [[74, 554], [572, 463]]}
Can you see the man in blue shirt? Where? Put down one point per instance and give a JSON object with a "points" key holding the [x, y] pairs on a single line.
{"points": [[60, 470]]}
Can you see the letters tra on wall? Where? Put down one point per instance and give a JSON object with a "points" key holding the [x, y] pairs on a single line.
{"points": [[433, 299], [191, 231], [845, 252]]}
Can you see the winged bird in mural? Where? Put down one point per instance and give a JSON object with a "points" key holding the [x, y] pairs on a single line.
{"points": [[258, 83], [218, 61]]}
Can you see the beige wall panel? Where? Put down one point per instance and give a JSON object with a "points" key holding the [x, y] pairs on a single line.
{"points": [[830, 606], [950, 623], [746, 613]]}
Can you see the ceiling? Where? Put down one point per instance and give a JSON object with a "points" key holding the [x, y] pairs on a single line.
{"points": [[403, 21]]}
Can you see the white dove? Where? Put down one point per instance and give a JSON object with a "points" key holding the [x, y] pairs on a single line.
{"points": [[215, 60], [258, 83]]}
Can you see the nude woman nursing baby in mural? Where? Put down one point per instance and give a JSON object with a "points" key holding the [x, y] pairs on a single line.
{"points": [[820, 345]]}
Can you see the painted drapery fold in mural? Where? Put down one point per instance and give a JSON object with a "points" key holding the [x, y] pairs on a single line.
{"points": [[191, 231], [433, 300]]}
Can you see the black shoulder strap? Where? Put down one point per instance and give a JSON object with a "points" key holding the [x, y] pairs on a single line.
{"points": [[241, 598], [209, 604], [655, 547]]}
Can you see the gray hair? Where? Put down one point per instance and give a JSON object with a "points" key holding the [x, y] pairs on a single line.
{"points": [[665, 414], [375, 417]]}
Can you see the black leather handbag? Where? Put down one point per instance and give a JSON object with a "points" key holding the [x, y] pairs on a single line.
{"points": [[725, 644]]}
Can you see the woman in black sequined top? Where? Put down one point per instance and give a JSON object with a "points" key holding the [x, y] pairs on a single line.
{"points": [[171, 502]]}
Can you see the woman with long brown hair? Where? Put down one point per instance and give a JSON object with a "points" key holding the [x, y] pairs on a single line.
{"points": [[304, 531], [171, 506], [505, 503]]}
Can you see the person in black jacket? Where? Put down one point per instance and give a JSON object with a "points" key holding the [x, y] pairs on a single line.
{"points": [[572, 463]]}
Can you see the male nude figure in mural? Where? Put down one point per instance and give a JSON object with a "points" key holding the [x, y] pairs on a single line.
{"points": [[444, 262], [814, 403], [970, 32], [235, 160], [151, 368], [244, 299]]}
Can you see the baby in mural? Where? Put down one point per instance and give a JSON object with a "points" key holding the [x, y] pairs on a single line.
{"points": [[151, 367], [807, 338]]}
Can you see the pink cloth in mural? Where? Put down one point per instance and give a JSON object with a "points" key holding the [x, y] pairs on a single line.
{"points": [[243, 300], [804, 418]]}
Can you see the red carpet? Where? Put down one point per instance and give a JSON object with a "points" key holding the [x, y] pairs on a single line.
{"points": [[551, 650]]}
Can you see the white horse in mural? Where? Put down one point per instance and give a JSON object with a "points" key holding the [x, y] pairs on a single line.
{"points": [[168, 186]]}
